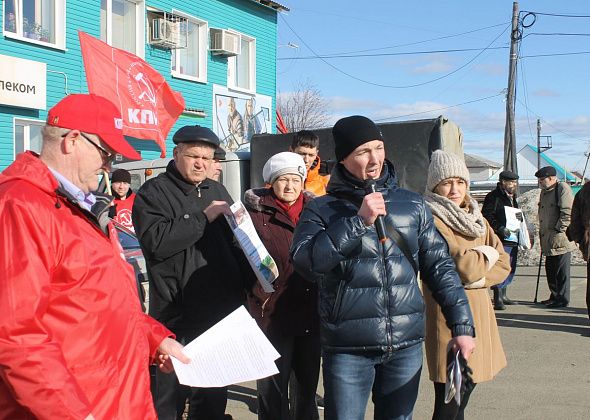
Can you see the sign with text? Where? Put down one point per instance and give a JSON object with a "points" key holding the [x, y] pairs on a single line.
{"points": [[23, 83]]}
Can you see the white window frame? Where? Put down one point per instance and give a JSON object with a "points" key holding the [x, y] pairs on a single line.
{"points": [[202, 49], [26, 123], [59, 25], [139, 26], [231, 66]]}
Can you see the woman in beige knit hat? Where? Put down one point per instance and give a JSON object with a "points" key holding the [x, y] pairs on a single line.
{"points": [[481, 262]]}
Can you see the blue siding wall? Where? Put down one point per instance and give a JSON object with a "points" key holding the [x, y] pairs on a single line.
{"points": [[245, 16]]}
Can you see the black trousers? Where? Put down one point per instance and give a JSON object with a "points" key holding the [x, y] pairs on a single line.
{"points": [[450, 411], [301, 357], [588, 287], [557, 269], [170, 398]]}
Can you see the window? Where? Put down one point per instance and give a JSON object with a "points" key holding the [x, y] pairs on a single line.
{"points": [[122, 24], [242, 67], [191, 62], [36, 21], [27, 135]]}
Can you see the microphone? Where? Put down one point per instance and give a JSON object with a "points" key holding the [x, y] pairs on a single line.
{"points": [[379, 224]]}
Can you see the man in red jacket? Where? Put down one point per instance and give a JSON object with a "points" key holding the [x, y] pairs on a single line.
{"points": [[74, 342], [120, 210]]}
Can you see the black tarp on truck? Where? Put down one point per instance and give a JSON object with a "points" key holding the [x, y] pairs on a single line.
{"points": [[408, 145]]}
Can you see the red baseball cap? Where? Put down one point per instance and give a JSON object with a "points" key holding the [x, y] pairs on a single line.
{"points": [[93, 114]]}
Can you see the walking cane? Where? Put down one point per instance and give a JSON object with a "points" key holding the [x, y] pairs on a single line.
{"points": [[538, 277]]}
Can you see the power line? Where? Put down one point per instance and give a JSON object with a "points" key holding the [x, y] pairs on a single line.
{"points": [[419, 42], [548, 123], [383, 85], [555, 14], [556, 54], [441, 109], [319, 57]]}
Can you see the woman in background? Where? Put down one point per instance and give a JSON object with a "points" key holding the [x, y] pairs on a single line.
{"points": [[481, 262]]}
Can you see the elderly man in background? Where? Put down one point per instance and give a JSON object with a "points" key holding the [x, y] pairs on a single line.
{"points": [[195, 266], [74, 342], [215, 169], [555, 207]]}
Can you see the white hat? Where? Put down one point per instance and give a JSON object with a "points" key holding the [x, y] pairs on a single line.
{"points": [[445, 165], [281, 164]]}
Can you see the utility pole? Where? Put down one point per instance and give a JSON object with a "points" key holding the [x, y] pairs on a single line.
{"points": [[538, 144], [509, 130], [541, 149]]}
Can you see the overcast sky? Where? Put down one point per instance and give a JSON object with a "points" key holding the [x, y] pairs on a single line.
{"points": [[394, 62]]}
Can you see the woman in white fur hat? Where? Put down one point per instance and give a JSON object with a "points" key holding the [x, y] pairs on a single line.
{"points": [[289, 315], [481, 262]]}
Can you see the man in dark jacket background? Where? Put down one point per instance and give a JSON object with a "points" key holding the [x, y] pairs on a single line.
{"points": [[371, 308], [194, 264], [493, 210], [579, 231]]}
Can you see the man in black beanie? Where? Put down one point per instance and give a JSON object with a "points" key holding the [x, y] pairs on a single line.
{"points": [[124, 197], [371, 308]]}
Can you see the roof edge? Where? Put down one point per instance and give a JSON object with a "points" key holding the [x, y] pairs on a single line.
{"points": [[273, 5]]}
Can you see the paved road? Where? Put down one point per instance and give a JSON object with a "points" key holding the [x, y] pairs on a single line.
{"points": [[548, 352]]}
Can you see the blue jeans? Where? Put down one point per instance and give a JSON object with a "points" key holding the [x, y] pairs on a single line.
{"points": [[393, 378], [513, 252]]}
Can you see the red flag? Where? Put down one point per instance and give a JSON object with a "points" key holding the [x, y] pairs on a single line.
{"points": [[148, 106], [281, 124]]}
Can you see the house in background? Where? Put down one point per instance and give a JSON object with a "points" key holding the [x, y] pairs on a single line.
{"points": [[526, 160], [220, 54], [480, 169]]}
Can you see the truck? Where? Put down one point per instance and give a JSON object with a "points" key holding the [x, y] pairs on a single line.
{"points": [[408, 145]]}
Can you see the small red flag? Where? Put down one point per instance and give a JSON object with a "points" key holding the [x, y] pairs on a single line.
{"points": [[281, 124], [148, 106]]}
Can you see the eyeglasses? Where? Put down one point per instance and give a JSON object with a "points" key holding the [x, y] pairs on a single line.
{"points": [[107, 156]]}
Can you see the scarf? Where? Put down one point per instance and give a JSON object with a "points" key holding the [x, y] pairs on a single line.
{"points": [[468, 222], [293, 211]]}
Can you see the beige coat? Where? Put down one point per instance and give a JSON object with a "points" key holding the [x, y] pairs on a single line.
{"points": [[555, 209], [488, 358]]}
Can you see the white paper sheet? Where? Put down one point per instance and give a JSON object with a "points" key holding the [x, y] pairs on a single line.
{"points": [[232, 351]]}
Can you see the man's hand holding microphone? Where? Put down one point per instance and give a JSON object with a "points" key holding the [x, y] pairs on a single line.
{"points": [[373, 209]]}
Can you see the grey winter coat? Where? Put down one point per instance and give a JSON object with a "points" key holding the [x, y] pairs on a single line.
{"points": [[555, 208]]}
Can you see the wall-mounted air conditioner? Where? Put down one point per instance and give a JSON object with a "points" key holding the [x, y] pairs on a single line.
{"points": [[168, 31], [224, 42]]}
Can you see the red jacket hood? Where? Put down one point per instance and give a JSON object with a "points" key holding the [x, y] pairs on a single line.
{"points": [[30, 168]]}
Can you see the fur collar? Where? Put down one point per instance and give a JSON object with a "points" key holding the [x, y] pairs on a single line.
{"points": [[259, 199]]}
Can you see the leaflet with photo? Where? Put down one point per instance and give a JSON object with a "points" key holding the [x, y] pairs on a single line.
{"points": [[260, 260], [513, 219]]}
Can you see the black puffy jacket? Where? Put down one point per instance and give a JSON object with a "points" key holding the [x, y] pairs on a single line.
{"points": [[369, 297]]}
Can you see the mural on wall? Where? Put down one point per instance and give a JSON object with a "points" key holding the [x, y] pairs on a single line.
{"points": [[237, 117]]}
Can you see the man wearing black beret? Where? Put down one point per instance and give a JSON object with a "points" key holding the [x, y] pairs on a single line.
{"points": [[494, 211], [555, 208], [196, 270]]}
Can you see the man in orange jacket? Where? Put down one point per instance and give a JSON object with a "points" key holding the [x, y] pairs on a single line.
{"points": [[74, 342], [307, 144]]}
